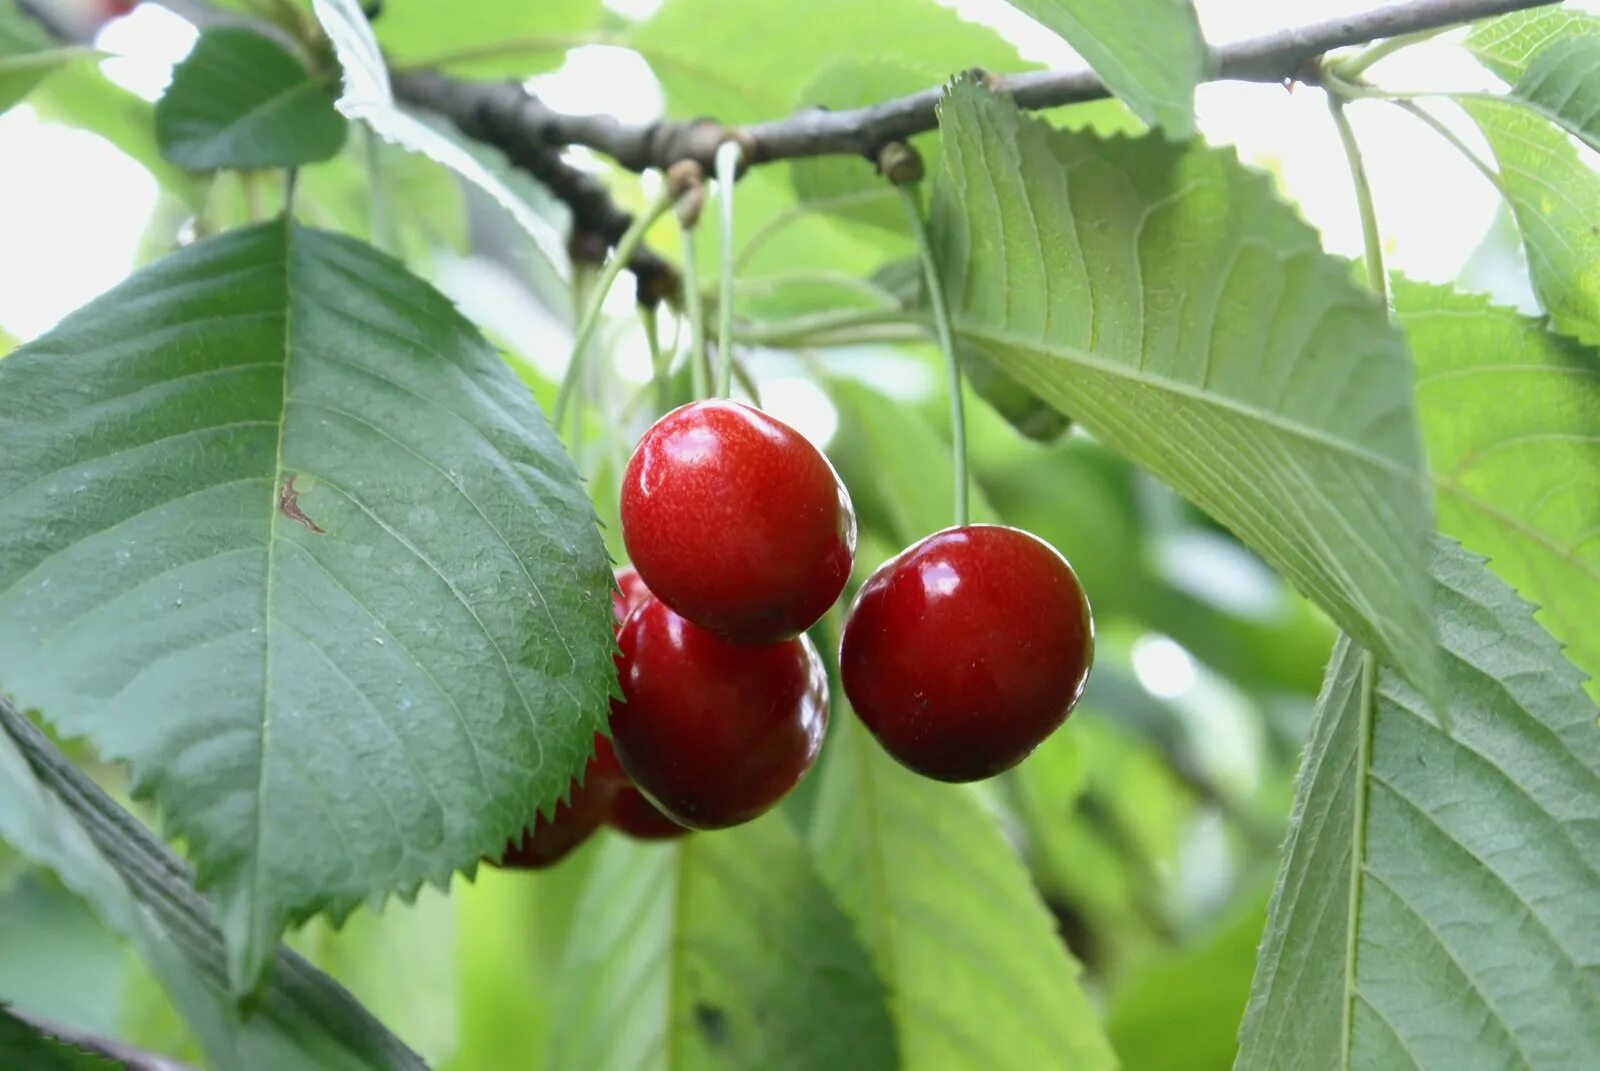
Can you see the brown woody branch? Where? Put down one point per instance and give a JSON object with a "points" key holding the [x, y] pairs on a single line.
{"points": [[521, 123], [533, 135], [598, 222]]}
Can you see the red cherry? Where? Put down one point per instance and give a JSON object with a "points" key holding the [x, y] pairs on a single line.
{"points": [[633, 814], [968, 649], [551, 839], [630, 592], [630, 812], [737, 522], [712, 732]]}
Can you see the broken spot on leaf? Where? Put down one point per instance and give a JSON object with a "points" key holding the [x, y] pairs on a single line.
{"points": [[289, 505], [713, 1023]]}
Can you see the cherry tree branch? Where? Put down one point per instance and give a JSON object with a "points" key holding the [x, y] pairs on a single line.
{"points": [[534, 135], [520, 123]]}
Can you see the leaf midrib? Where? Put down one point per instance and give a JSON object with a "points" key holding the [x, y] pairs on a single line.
{"points": [[1122, 370], [1495, 514], [230, 130], [250, 953], [1358, 849]]}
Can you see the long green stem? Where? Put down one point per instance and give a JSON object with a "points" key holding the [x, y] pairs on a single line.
{"points": [[1335, 82], [816, 328], [836, 280], [728, 154], [591, 313], [794, 213], [659, 362], [1371, 239], [381, 219], [252, 194], [696, 311], [291, 185], [584, 278], [1355, 65], [1378, 279], [1450, 136], [947, 343]]}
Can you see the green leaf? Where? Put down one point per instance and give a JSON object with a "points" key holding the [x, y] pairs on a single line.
{"points": [[1562, 83], [745, 62], [1511, 417], [26, 1047], [1021, 408], [977, 975], [1507, 44], [240, 100], [1149, 52], [401, 964], [56, 816], [848, 186], [511, 932], [281, 530], [61, 964], [27, 54], [1555, 195], [1180, 1012], [1169, 301], [1435, 907], [898, 468], [718, 951], [368, 97], [490, 38]]}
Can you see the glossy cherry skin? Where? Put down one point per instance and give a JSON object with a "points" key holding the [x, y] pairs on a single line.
{"points": [[630, 812], [714, 733], [551, 840], [968, 649], [634, 815], [736, 522]]}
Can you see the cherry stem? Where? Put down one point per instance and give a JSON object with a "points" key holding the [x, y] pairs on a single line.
{"points": [[1354, 66], [1378, 280], [947, 344], [585, 276], [728, 158], [695, 308], [659, 363], [1371, 239], [597, 298]]}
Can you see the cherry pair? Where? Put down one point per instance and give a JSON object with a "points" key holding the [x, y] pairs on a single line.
{"points": [[960, 655], [742, 537]]}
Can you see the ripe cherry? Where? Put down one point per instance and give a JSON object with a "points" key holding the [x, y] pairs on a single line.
{"points": [[737, 522], [631, 812], [968, 649], [551, 840], [714, 733], [635, 815]]}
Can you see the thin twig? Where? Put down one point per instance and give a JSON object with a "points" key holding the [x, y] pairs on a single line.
{"points": [[523, 121]]}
